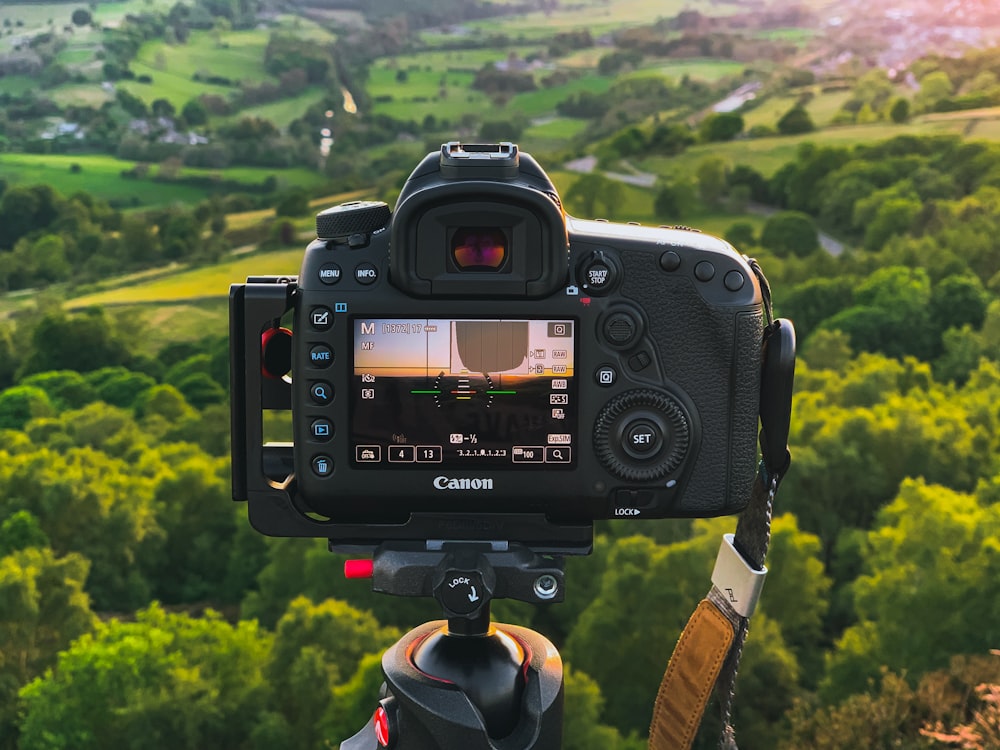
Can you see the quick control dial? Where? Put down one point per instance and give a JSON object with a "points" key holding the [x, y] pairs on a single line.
{"points": [[642, 435]]}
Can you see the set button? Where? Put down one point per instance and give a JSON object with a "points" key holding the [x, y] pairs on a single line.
{"points": [[642, 438]]}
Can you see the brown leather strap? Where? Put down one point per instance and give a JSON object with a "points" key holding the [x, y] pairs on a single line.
{"points": [[689, 679]]}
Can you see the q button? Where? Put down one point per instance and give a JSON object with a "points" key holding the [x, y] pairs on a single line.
{"points": [[321, 392]]}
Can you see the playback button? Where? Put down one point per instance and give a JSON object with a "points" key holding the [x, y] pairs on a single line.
{"points": [[321, 429]]}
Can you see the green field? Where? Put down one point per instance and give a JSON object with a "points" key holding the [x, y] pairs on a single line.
{"points": [[468, 60], [598, 16], [17, 85], [766, 155], [172, 68], [702, 69], [196, 283], [544, 100], [36, 16], [81, 95], [821, 108], [421, 94], [559, 128], [284, 111], [443, 88], [101, 176]]}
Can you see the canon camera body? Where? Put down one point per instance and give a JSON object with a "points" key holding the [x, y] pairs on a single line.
{"points": [[479, 352]]}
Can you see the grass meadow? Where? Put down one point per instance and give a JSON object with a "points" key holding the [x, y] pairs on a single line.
{"points": [[38, 17], [702, 69], [766, 155], [239, 57], [599, 16], [101, 176], [186, 284]]}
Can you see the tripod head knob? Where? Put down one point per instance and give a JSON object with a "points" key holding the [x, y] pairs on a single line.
{"points": [[464, 585]]}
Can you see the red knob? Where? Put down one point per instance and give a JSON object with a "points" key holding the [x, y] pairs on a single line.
{"points": [[275, 353], [358, 568]]}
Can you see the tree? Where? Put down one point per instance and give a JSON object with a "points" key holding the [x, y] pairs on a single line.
{"points": [[119, 386], [22, 403], [293, 203], [899, 112], [66, 389], [907, 576], [582, 729], [959, 300], [81, 17], [815, 300], [741, 234], [165, 680], [712, 185], [194, 113], [19, 209], [82, 342], [493, 131], [188, 562], [20, 531], [675, 199], [89, 503], [894, 215], [720, 126], [593, 190], [934, 88], [795, 121], [44, 610], [163, 108], [790, 233], [317, 647]]}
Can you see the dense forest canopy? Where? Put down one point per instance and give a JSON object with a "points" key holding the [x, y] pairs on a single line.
{"points": [[137, 605]]}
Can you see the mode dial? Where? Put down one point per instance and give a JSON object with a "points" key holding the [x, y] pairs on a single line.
{"points": [[356, 217], [642, 435]]}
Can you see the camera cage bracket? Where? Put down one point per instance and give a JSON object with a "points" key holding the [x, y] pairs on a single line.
{"points": [[264, 474]]}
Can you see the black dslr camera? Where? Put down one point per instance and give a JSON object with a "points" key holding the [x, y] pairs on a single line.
{"points": [[480, 365]]}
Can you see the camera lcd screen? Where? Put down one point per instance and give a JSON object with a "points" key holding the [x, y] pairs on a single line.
{"points": [[498, 393]]}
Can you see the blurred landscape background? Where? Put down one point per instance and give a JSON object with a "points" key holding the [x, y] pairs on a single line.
{"points": [[153, 152]]}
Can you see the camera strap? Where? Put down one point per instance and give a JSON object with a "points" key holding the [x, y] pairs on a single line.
{"points": [[708, 652]]}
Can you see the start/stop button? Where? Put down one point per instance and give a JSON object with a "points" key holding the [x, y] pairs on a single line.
{"points": [[598, 273]]}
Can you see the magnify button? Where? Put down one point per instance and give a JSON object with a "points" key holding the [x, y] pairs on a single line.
{"points": [[561, 455], [321, 392]]}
